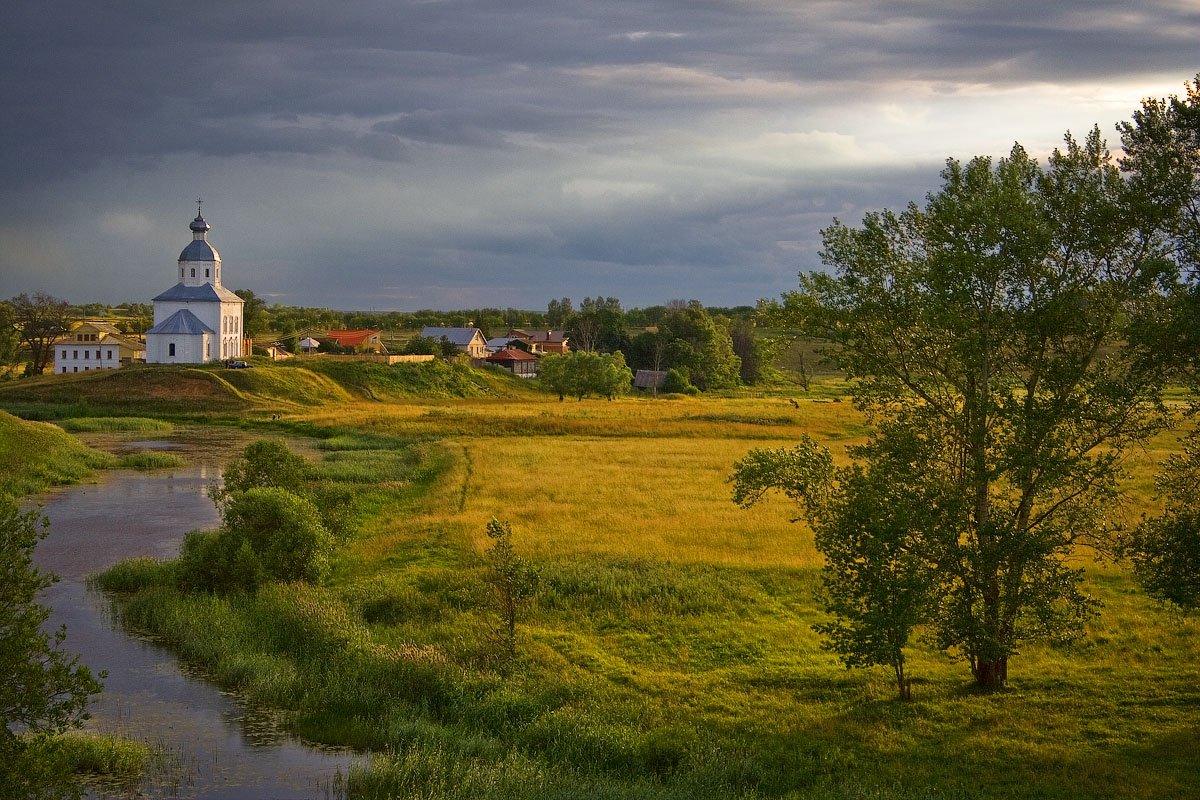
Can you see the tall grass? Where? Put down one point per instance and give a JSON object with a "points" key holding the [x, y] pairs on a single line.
{"points": [[151, 460], [37, 455], [96, 424], [670, 650]]}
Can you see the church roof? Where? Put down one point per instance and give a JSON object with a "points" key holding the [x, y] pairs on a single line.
{"points": [[180, 293], [199, 250], [181, 322]]}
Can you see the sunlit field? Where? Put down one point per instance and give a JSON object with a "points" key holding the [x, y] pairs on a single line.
{"points": [[669, 649]]}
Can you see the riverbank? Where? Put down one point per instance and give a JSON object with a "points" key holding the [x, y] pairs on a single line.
{"points": [[669, 650], [156, 730]]}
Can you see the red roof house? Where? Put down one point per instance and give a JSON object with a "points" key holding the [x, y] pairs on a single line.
{"points": [[518, 362], [364, 340]]}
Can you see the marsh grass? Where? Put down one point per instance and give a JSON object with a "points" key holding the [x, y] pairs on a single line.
{"points": [[670, 651], [152, 460], [108, 424], [106, 756]]}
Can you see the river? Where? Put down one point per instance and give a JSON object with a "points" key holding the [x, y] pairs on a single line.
{"points": [[215, 747]]}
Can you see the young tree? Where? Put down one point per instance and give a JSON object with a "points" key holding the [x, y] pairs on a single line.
{"points": [[43, 690], [514, 580], [869, 525], [39, 320], [1003, 328]]}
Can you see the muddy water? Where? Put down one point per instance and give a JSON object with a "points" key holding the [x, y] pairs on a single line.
{"points": [[215, 747]]}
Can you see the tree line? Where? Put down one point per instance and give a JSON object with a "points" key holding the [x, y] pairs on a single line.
{"points": [[705, 348]]}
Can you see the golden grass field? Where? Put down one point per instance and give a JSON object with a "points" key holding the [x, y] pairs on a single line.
{"points": [[670, 652]]}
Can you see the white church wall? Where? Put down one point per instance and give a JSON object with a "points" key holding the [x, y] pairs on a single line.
{"points": [[189, 349]]}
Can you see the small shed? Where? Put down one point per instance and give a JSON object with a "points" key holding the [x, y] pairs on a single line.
{"points": [[518, 362], [309, 344], [649, 379]]}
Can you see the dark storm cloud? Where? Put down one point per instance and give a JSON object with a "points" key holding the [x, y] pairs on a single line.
{"points": [[631, 140]]}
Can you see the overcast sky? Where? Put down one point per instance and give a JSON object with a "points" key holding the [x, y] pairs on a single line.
{"points": [[457, 154]]}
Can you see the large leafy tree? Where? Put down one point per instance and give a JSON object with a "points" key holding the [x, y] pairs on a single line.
{"points": [[1002, 331], [700, 344], [43, 689], [582, 373], [1162, 154], [39, 320], [255, 316]]}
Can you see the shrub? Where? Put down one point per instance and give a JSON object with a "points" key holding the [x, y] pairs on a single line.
{"points": [[266, 463], [678, 382], [266, 534]]}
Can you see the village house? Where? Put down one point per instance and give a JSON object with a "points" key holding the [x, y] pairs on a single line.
{"points": [[547, 341], [518, 362], [363, 340], [95, 345], [469, 340]]}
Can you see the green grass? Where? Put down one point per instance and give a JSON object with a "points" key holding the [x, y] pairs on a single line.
{"points": [[669, 652], [37, 455], [108, 424], [102, 756], [151, 460]]}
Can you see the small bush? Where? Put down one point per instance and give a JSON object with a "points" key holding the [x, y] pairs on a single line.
{"points": [[677, 382], [267, 534]]}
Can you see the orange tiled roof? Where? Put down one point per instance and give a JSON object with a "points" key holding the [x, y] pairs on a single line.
{"points": [[347, 338]]}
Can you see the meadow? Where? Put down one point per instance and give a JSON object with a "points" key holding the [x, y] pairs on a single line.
{"points": [[668, 652]]}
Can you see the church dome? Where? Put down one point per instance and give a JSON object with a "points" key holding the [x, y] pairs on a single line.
{"points": [[199, 249]]}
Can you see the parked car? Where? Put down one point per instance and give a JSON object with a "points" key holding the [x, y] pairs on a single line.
{"points": [[238, 365]]}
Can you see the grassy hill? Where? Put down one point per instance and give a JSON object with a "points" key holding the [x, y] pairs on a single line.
{"points": [[36, 455], [285, 387]]}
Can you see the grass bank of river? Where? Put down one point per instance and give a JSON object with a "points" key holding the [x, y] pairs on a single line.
{"points": [[669, 651]]}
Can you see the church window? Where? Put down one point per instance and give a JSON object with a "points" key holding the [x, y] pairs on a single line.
{"points": [[64, 355], [74, 354], [193, 272], [171, 349], [64, 370], [110, 354], [86, 354], [206, 272], [74, 369], [181, 273]]}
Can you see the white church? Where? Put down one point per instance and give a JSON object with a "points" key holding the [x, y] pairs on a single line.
{"points": [[197, 319]]}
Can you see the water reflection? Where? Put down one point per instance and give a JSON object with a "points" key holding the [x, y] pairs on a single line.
{"points": [[217, 747]]}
